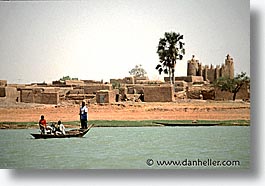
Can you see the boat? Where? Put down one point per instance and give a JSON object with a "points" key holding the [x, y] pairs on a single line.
{"points": [[74, 133], [186, 124]]}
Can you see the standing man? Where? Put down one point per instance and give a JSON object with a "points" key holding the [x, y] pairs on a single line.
{"points": [[83, 115]]}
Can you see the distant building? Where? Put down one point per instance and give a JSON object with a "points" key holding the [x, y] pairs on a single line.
{"points": [[195, 68]]}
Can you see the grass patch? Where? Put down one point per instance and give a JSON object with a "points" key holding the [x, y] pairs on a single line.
{"points": [[151, 123], [117, 123], [142, 123], [18, 123], [220, 123]]}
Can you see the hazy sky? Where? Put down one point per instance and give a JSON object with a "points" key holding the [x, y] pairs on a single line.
{"points": [[103, 39]]}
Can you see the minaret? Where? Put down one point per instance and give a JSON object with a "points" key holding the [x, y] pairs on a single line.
{"points": [[193, 66], [229, 64]]}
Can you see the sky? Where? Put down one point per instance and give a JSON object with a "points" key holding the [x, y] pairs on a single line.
{"points": [[104, 39]]}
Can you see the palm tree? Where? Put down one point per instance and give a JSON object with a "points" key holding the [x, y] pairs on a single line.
{"points": [[170, 49]]}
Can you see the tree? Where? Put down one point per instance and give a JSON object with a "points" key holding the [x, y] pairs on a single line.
{"points": [[138, 71], [67, 78], [170, 49], [232, 85]]}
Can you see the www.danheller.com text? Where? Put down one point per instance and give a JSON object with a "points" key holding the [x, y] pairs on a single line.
{"points": [[194, 163]]}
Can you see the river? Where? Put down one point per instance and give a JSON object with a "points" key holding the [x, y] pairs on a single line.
{"points": [[219, 147]]}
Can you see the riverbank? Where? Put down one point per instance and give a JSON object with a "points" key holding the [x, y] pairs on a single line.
{"points": [[120, 123], [126, 111]]}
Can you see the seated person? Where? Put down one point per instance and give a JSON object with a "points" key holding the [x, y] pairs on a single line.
{"points": [[52, 128], [43, 125], [61, 128]]}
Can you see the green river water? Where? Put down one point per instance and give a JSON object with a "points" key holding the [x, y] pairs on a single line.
{"points": [[220, 147]]}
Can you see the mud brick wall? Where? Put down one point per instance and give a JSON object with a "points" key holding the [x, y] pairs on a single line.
{"points": [[26, 96], [10, 93], [3, 83], [77, 91], [223, 95], [196, 78], [46, 98], [68, 83], [135, 89], [126, 80], [179, 89], [120, 81], [129, 80], [208, 94], [143, 80], [58, 83], [112, 96], [123, 90], [74, 82], [201, 92], [2, 92], [51, 89], [92, 89], [166, 79], [243, 94], [18, 86], [180, 86], [92, 82], [211, 75], [148, 82], [181, 95], [105, 96], [186, 78], [79, 97], [139, 89], [182, 78], [194, 93], [131, 90], [133, 97], [159, 93], [63, 91], [37, 90], [37, 95]]}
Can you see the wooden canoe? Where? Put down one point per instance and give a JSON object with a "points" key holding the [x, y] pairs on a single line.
{"points": [[186, 124], [68, 134]]}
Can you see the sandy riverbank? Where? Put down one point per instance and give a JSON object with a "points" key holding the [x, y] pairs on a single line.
{"points": [[181, 110]]}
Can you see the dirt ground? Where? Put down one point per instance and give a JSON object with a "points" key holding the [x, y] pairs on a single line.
{"points": [[180, 110]]}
